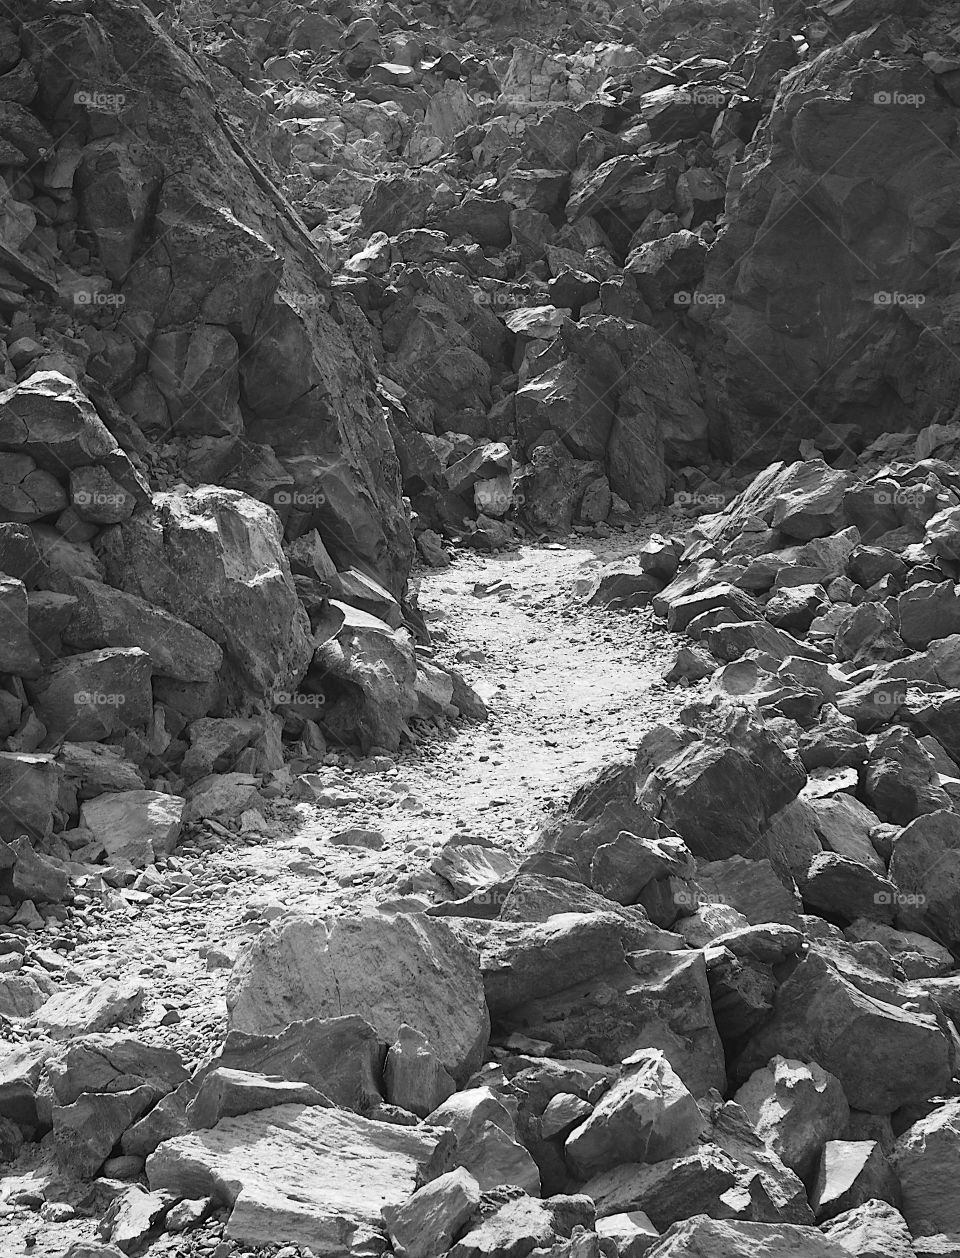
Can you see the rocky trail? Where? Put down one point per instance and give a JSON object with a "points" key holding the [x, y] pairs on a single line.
{"points": [[567, 693], [479, 629]]}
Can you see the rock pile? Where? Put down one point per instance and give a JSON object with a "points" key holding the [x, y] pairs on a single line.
{"points": [[571, 253], [337, 281], [165, 645]]}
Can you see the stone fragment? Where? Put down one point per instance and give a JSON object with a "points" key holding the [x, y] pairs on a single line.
{"points": [[796, 1108], [414, 1078], [851, 1173], [648, 1115]]}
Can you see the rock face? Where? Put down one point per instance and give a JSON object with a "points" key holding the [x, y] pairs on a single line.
{"points": [[390, 971], [316, 1176], [215, 239], [832, 139]]}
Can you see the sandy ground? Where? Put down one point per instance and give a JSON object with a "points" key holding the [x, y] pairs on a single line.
{"points": [[569, 689]]}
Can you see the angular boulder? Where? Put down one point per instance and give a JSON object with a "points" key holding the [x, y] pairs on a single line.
{"points": [[388, 970]]}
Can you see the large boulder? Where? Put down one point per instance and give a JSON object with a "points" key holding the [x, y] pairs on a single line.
{"points": [[884, 1054], [925, 866], [366, 679], [49, 419], [927, 1160], [212, 557], [622, 395], [795, 1108], [701, 1236], [104, 616], [718, 780], [389, 970], [647, 1116]]}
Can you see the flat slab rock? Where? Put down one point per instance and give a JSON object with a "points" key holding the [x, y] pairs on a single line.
{"points": [[702, 1237], [301, 1174]]}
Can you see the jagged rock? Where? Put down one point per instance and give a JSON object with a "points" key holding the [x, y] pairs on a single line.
{"points": [[414, 1078], [341, 1057], [924, 867], [873, 1230], [425, 976], [227, 1093], [620, 870], [21, 1066], [927, 611], [83, 1010], [843, 889], [96, 695], [309, 1174], [901, 781], [851, 1173], [486, 1140], [648, 1115], [222, 796], [752, 887], [213, 557], [882, 1053], [917, 955], [85, 1131], [722, 1239], [104, 616], [719, 791], [925, 1159], [134, 826], [132, 1215], [730, 1174], [47, 417], [37, 877], [435, 1216], [522, 1225], [377, 669], [631, 1232], [796, 1108], [17, 652]]}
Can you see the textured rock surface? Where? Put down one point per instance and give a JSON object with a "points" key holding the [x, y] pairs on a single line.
{"points": [[387, 970]]}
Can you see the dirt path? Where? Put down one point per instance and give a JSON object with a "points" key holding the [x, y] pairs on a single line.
{"points": [[569, 688]]}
